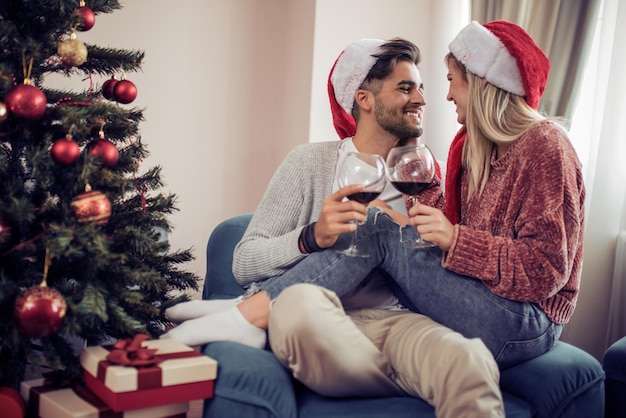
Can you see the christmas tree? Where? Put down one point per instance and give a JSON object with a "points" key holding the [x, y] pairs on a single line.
{"points": [[83, 226]]}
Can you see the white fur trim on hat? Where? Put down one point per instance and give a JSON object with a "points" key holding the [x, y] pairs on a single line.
{"points": [[485, 55], [351, 68]]}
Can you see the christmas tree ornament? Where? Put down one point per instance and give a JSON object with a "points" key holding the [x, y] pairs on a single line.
{"points": [[4, 112], [12, 404], [86, 17], [72, 51], [124, 91], [5, 234], [104, 149], [65, 150], [26, 103], [91, 206], [107, 88], [39, 310]]}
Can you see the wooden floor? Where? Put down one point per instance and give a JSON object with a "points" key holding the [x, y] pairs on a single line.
{"points": [[195, 409]]}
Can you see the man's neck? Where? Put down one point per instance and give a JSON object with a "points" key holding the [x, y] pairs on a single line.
{"points": [[378, 144]]}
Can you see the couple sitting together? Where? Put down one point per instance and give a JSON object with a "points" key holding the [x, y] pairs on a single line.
{"points": [[437, 323]]}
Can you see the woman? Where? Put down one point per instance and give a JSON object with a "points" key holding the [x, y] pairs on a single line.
{"points": [[508, 260]]}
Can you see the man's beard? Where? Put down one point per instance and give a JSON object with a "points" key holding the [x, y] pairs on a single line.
{"points": [[398, 127]]}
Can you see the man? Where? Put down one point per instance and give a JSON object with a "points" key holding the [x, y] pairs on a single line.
{"points": [[366, 344]]}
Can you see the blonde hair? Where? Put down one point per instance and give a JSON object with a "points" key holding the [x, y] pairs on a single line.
{"points": [[494, 116]]}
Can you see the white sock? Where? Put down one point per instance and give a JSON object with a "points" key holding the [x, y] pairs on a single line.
{"points": [[197, 308], [228, 325]]}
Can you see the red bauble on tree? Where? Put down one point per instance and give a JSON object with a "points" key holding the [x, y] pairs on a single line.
{"points": [[124, 91], [91, 206], [105, 150], [107, 88], [39, 311], [65, 150], [86, 17], [26, 102], [12, 404]]}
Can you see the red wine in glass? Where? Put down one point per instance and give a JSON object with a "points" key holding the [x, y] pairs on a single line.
{"points": [[410, 169], [367, 170], [409, 187], [364, 197]]}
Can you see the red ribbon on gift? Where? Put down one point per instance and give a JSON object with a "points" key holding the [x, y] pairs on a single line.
{"points": [[129, 352]]}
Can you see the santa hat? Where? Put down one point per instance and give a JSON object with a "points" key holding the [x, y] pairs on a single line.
{"points": [[345, 78], [506, 56]]}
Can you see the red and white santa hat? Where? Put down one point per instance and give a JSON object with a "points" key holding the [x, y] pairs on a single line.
{"points": [[505, 55], [345, 78]]}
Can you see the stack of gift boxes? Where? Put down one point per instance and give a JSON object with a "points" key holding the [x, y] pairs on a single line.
{"points": [[134, 378]]}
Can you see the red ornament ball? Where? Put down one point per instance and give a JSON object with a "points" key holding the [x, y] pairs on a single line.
{"points": [[86, 17], [39, 311], [124, 91], [105, 150], [12, 404], [65, 151], [107, 88], [92, 206], [26, 102]]}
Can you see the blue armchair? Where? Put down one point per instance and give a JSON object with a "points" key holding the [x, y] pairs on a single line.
{"points": [[614, 364], [565, 382]]}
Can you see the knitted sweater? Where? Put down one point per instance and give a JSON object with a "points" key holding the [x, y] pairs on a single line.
{"points": [[523, 236], [292, 200]]}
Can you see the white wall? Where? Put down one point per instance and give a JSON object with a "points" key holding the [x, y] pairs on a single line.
{"points": [[428, 23]]}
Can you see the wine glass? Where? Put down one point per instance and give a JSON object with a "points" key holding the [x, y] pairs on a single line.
{"points": [[410, 169], [365, 169]]}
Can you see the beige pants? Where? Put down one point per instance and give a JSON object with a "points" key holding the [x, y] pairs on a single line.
{"points": [[375, 352]]}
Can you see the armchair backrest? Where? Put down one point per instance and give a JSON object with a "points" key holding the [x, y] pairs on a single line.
{"points": [[219, 282]]}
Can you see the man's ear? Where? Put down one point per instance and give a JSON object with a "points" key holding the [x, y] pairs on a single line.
{"points": [[364, 99]]}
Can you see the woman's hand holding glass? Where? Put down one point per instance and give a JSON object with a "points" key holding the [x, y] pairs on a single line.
{"points": [[411, 169]]}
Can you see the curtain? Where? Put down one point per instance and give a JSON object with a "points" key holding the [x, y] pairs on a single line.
{"points": [[562, 29], [608, 204], [617, 307]]}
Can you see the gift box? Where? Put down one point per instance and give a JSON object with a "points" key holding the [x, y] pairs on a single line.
{"points": [[141, 373], [47, 399]]}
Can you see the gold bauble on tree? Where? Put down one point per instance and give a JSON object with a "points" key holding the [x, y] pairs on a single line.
{"points": [[72, 51], [91, 206]]}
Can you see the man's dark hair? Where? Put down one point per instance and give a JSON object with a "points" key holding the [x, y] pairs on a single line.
{"points": [[391, 53]]}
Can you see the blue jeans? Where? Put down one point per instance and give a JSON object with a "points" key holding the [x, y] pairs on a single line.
{"points": [[513, 331]]}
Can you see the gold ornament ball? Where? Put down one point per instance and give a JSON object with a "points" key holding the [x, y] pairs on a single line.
{"points": [[72, 52], [92, 206]]}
